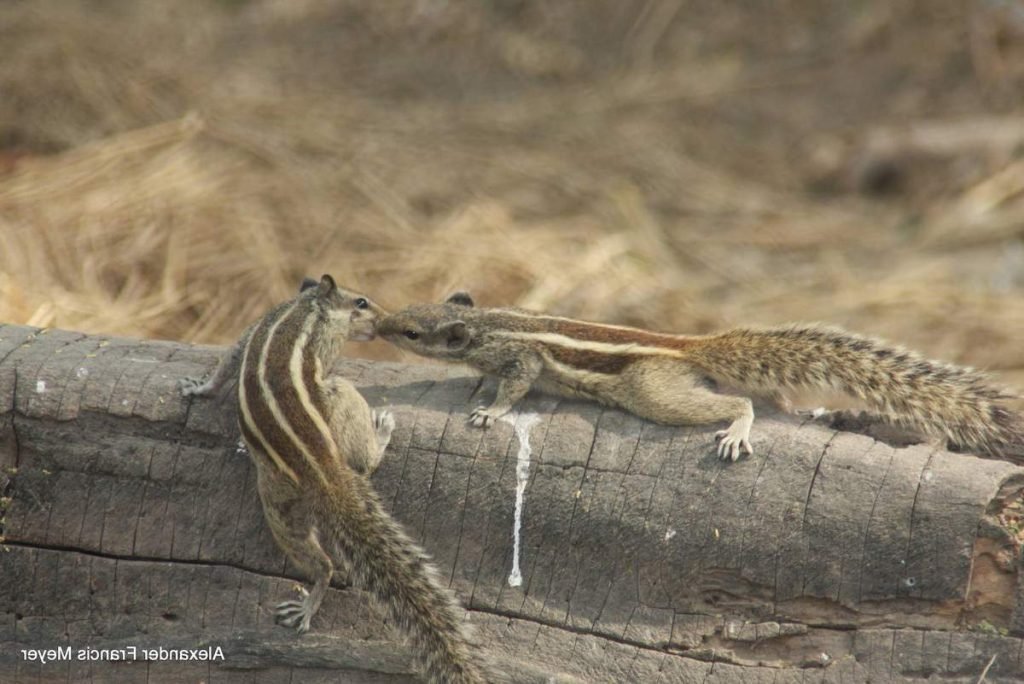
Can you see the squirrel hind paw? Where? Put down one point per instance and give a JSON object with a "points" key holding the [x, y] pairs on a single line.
{"points": [[294, 614], [731, 446]]}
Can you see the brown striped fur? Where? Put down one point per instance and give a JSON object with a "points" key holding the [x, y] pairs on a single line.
{"points": [[597, 362], [664, 377], [314, 442]]}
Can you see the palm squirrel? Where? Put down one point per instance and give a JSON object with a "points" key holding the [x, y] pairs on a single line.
{"points": [[314, 443], [665, 378]]}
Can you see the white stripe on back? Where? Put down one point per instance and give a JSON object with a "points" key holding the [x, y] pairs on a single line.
{"points": [[602, 347]]}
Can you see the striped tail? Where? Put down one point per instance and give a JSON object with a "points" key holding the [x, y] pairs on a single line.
{"points": [[390, 566], [940, 398]]}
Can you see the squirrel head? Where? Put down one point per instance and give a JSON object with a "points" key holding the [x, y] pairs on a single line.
{"points": [[434, 330], [349, 315]]}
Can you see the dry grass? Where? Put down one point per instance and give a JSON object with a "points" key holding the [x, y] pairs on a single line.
{"points": [[172, 169]]}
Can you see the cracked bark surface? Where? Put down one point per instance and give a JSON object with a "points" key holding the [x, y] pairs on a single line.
{"points": [[130, 518]]}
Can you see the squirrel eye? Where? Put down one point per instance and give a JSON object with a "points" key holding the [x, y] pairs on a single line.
{"points": [[411, 334], [361, 303]]}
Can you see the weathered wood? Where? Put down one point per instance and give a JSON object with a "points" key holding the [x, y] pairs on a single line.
{"points": [[131, 520]]}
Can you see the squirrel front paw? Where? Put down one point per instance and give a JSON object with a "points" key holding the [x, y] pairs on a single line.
{"points": [[383, 424], [482, 417]]}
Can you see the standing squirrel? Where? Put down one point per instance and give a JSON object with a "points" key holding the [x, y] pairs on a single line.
{"points": [[314, 442], [664, 377]]}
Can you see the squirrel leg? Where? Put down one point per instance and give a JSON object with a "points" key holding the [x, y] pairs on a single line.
{"points": [[227, 369], [683, 400], [514, 382], [362, 434], [290, 519], [701, 406], [308, 555]]}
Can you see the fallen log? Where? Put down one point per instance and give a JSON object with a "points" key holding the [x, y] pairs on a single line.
{"points": [[587, 545]]}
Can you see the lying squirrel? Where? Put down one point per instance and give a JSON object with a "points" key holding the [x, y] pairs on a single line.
{"points": [[664, 378], [314, 443]]}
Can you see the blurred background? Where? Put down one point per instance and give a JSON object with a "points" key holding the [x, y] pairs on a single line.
{"points": [[172, 169]]}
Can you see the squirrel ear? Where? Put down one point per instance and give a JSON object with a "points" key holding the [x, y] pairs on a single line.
{"points": [[455, 334], [307, 283], [326, 285], [460, 298]]}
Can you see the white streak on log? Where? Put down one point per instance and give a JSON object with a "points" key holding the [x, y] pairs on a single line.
{"points": [[522, 424]]}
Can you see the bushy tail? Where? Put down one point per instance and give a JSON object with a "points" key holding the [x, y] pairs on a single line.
{"points": [[904, 387], [399, 574]]}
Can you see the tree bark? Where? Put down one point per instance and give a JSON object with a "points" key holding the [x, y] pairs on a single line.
{"points": [[131, 520]]}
